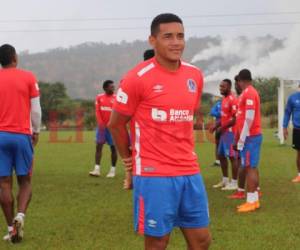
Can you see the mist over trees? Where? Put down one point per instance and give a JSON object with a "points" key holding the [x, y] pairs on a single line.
{"points": [[83, 68]]}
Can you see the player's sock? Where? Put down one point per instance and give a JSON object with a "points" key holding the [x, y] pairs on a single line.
{"points": [[241, 189], [234, 182], [298, 174], [97, 167], [256, 196], [10, 228], [250, 197], [21, 215], [225, 180]]}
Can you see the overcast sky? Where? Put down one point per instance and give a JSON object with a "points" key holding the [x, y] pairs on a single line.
{"points": [[26, 24]]}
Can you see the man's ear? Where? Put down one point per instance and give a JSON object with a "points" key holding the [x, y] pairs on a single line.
{"points": [[152, 40]]}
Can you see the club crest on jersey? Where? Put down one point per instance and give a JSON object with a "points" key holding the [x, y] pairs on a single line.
{"points": [[191, 84]]}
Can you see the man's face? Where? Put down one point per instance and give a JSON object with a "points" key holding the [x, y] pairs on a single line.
{"points": [[169, 42], [237, 87], [110, 89], [224, 88]]}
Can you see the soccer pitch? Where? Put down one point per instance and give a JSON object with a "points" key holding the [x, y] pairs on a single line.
{"points": [[71, 210]]}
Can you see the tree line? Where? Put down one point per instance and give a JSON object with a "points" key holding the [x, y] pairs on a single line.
{"points": [[59, 108]]}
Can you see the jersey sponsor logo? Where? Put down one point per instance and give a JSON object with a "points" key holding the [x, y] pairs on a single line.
{"points": [[158, 115], [158, 88], [249, 102], [122, 97], [191, 85], [177, 115]]}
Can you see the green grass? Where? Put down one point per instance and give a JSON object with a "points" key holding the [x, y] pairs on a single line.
{"points": [[71, 210]]}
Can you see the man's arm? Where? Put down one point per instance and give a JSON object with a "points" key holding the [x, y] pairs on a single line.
{"points": [[286, 118], [36, 116], [118, 129], [249, 117]]}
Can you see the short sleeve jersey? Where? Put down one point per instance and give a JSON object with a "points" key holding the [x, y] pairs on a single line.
{"points": [[161, 105], [17, 87], [228, 110], [249, 100], [103, 105]]}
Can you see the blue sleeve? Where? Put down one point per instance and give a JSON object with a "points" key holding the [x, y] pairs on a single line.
{"points": [[287, 112], [215, 110]]}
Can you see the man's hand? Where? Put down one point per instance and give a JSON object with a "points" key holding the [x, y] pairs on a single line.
{"points": [[35, 139], [127, 162], [285, 133], [240, 145], [127, 185]]}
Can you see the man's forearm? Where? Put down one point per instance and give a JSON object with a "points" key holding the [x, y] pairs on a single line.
{"points": [[121, 140]]}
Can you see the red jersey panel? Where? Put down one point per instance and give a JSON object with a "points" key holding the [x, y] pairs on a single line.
{"points": [[249, 100], [104, 104], [17, 87], [228, 110], [161, 105]]}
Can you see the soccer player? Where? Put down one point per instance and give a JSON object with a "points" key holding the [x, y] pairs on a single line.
{"points": [[148, 54], [240, 192], [293, 109], [20, 119], [103, 105], [225, 149], [159, 98], [249, 138], [216, 113]]}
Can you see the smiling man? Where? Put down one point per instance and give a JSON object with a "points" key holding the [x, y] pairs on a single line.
{"points": [[160, 97]]}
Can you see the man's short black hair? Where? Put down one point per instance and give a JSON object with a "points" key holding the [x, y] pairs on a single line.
{"points": [[227, 81], [148, 54], [236, 78], [106, 83], [163, 18], [7, 54], [245, 75]]}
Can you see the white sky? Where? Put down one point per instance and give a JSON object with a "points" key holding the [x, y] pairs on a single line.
{"points": [[12, 11]]}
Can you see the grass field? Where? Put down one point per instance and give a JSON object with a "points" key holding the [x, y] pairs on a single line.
{"points": [[71, 210]]}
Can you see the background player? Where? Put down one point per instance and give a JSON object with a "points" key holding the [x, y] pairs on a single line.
{"points": [[293, 109], [225, 149], [216, 113], [159, 97], [103, 106], [249, 138], [20, 119]]}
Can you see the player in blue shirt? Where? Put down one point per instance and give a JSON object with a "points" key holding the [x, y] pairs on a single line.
{"points": [[216, 113], [293, 109]]}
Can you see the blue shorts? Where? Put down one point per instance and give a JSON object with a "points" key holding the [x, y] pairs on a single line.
{"points": [[162, 203], [225, 147], [16, 153], [251, 151], [104, 136]]}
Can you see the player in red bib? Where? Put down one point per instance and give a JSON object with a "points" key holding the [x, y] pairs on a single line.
{"points": [[225, 127], [159, 98], [249, 138], [103, 107], [20, 119]]}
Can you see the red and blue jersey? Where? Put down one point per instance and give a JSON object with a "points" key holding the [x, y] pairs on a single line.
{"points": [[161, 105], [17, 88], [103, 106], [249, 100]]}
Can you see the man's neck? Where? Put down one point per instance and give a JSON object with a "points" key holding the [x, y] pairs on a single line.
{"points": [[168, 64]]}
